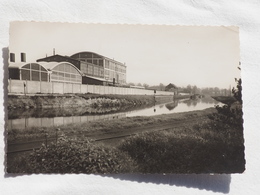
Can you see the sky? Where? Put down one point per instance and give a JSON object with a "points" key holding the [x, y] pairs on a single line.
{"points": [[205, 56]]}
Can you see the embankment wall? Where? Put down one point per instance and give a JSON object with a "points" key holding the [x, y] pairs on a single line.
{"points": [[34, 87]]}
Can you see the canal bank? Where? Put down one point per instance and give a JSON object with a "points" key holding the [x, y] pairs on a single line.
{"points": [[47, 117], [83, 100], [102, 129]]}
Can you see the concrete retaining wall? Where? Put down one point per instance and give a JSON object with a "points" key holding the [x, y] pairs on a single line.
{"points": [[33, 87]]}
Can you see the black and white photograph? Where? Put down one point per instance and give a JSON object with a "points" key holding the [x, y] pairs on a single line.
{"points": [[124, 98]]}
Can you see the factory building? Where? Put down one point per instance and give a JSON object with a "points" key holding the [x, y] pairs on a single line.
{"points": [[96, 69], [87, 67], [98, 66]]}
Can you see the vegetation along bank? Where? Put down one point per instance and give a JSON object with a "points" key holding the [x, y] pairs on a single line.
{"points": [[83, 100]]}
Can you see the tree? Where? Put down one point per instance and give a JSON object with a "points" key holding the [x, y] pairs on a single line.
{"points": [[189, 89], [130, 83], [161, 86], [238, 91], [145, 85], [194, 89]]}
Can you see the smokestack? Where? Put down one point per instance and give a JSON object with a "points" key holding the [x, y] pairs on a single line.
{"points": [[53, 51]]}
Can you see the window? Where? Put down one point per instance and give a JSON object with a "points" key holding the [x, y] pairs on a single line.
{"points": [[27, 66], [111, 66], [101, 63], [101, 73], [90, 69], [96, 71], [35, 66], [95, 61], [23, 57], [25, 74], [35, 76], [106, 64], [84, 68], [12, 57], [44, 76]]}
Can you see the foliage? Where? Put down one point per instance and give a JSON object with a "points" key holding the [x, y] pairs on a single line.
{"points": [[71, 156], [230, 115], [227, 117], [238, 91], [166, 152]]}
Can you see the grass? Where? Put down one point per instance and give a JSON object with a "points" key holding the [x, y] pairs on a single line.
{"points": [[198, 149], [101, 126]]}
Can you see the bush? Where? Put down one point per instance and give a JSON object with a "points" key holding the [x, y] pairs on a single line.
{"points": [[162, 152], [226, 117], [71, 156], [230, 115]]}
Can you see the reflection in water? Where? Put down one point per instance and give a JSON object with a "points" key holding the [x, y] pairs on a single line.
{"points": [[176, 106], [54, 117], [23, 123], [172, 105]]}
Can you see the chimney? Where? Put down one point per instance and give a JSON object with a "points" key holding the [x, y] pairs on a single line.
{"points": [[53, 51]]}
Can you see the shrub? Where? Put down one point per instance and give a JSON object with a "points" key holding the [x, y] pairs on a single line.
{"points": [[226, 117], [166, 152], [71, 156]]}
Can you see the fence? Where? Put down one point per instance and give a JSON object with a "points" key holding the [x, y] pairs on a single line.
{"points": [[33, 87]]}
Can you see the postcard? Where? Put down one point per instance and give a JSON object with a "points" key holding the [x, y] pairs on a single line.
{"points": [[113, 98]]}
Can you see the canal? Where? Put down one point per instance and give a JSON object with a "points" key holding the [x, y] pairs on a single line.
{"points": [[47, 118]]}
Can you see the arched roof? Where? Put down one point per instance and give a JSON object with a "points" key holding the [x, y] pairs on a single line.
{"points": [[51, 65], [84, 52], [22, 64], [46, 65]]}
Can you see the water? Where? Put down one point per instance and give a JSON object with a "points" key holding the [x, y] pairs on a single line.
{"points": [[176, 106], [43, 118]]}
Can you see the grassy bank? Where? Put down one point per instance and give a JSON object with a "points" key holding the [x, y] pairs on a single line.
{"points": [[202, 144], [83, 100], [107, 127]]}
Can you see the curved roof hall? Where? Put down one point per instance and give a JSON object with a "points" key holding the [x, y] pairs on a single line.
{"points": [[46, 65], [22, 64], [51, 65]]}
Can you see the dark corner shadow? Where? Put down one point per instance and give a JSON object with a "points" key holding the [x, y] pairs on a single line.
{"points": [[216, 183], [5, 55], [211, 182]]}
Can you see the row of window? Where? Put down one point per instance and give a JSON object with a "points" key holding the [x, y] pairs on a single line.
{"points": [[119, 77], [66, 68], [85, 55], [92, 70], [32, 75], [34, 66], [98, 62], [114, 66], [12, 57], [58, 76]]}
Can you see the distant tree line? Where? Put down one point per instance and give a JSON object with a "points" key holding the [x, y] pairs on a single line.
{"points": [[191, 89], [206, 90]]}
